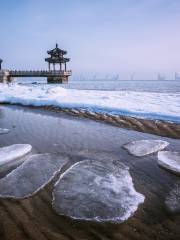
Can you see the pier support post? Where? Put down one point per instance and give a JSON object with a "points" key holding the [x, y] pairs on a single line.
{"points": [[63, 79], [5, 76]]}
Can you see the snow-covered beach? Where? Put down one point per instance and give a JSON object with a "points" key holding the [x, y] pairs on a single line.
{"points": [[145, 105]]}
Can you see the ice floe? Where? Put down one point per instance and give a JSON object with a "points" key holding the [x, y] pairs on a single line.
{"points": [[13, 152], [170, 161], [145, 147], [173, 199], [32, 175], [4, 131], [96, 191], [128, 103]]}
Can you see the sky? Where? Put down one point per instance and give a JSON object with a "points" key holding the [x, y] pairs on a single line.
{"points": [[125, 37]]}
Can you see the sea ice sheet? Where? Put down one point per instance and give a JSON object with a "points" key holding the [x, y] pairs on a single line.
{"points": [[96, 191], [4, 131], [170, 161], [145, 147], [173, 199], [13, 152], [32, 175]]}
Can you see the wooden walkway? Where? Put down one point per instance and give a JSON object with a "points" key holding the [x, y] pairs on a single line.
{"points": [[53, 76], [41, 73]]}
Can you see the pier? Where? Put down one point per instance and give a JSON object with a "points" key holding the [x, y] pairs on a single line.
{"points": [[54, 75]]}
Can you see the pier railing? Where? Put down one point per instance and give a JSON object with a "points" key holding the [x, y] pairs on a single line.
{"points": [[39, 73]]}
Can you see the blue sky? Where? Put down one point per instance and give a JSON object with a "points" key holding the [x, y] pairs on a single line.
{"points": [[101, 36]]}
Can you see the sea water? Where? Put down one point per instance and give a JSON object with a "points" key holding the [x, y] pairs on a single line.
{"points": [[115, 85]]}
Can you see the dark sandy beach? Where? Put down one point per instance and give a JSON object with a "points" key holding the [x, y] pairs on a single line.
{"points": [[157, 127], [55, 131]]}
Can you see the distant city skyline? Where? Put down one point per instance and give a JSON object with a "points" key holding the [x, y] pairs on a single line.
{"points": [[139, 38], [117, 76]]}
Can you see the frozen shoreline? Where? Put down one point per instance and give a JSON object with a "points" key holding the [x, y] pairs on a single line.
{"points": [[143, 105], [57, 132]]}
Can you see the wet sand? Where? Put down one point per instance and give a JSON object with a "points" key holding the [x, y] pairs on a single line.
{"points": [[158, 127], [34, 218]]}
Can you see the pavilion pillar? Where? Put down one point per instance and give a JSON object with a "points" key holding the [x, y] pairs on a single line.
{"points": [[54, 66], [65, 66], [1, 63], [49, 66], [60, 66]]}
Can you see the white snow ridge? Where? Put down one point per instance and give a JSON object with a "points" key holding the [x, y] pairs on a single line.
{"points": [[11, 153], [148, 105], [170, 161], [94, 190], [145, 147]]}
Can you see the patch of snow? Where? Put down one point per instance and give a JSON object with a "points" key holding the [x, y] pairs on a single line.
{"points": [[169, 160], [32, 175], [4, 131], [173, 199], [100, 191], [11, 153], [145, 147], [128, 103], [57, 91]]}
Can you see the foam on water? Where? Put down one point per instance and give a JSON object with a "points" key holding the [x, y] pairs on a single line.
{"points": [[173, 199]]}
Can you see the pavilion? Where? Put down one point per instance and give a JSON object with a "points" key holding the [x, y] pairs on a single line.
{"points": [[57, 57], [55, 75]]}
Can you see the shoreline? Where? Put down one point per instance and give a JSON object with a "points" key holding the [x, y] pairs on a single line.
{"points": [[157, 127]]}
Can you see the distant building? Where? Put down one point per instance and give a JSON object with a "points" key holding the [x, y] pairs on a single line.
{"points": [[177, 77], [132, 76], [116, 77], [160, 77]]}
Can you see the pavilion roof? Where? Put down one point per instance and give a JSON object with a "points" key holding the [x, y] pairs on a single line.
{"points": [[57, 51], [57, 59]]}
